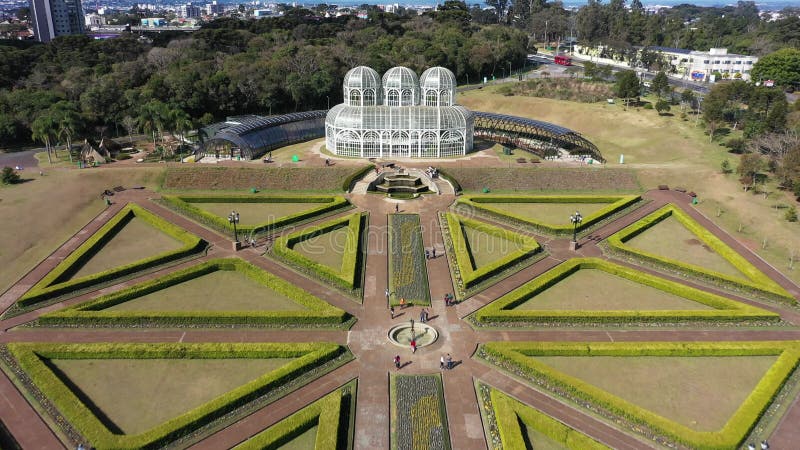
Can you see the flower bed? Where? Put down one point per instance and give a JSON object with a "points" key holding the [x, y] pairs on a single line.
{"points": [[482, 204], [31, 358], [516, 358], [93, 312], [756, 283], [408, 272], [502, 311], [419, 419], [58, 283], [185, 204]]}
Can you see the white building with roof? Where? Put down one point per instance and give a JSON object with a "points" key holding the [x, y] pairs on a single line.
{"points": [[399, 115]]}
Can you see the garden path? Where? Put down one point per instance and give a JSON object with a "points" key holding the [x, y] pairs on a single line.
{"points": [[367, 339]]}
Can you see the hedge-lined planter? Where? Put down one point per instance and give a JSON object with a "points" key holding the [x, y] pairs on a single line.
{"points": [[57, 283], [418, 415], [470, 276], [516, 358], [502, 311], [92, 313], [756, 282], [349, 277], [507, 413], [30, 358], [351, 179], [327, 413], [185, 205], [482, 204], [408, 270]]}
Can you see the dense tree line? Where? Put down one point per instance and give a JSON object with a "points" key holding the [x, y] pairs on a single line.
{"points": [[76, 86]]}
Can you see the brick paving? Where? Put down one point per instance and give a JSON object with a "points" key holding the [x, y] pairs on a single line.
{"points": [[368, 337]]}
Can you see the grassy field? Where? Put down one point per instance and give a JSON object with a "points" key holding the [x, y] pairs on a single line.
{"points": [[595, 290], [41, 214], [550, 213], [699, 392], [486, 248], [305, 441], [671, 239], [672, 151], [123, 390], [327, 248], [256, 213], [537, 440], [223, 290], [136, 240]]}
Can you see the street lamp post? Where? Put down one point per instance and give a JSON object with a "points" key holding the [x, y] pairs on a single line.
{"points": [[576, 220], [509, 69], [233, 218], [329, 101]]}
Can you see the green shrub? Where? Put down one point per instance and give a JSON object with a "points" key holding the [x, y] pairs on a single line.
{"points": [[482, 204], [93, 312], [31, 359], [185, 205], [791, 214], [350, 180], [9, 176], [502, 310], [757, 282], [516, 357], [57, 282]]}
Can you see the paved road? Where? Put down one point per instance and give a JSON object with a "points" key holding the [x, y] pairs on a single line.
{"points": [[23, 159]]}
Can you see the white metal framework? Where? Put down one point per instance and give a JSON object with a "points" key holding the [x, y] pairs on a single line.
{"points": [[399, 116]]}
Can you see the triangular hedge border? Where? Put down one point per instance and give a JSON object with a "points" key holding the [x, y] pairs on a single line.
{"points": [[54, 285], [349, 276], [31, 356], [93, 312], [754, 280], [327, 414], [516, 357], [470, 277], [501, 311]]}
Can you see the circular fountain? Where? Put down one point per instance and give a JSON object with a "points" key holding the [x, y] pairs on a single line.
{"points": [[424, 334]]}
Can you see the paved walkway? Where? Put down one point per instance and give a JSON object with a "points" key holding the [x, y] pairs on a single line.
{"points": [[367, 339]]}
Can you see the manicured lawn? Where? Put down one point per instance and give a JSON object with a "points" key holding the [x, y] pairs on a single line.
{"points": [[486, 248], [305, 441], [223, 290], [327, 248], [138, 394], [256, 213], [596, 290], [671, 239], [537, 440], [550, 213], [136, 240], [699, 392]]}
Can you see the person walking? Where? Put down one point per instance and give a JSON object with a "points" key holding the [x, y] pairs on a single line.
{"points": [[441, 362], [391, 311], [402, 303], [422, 316], [449, 360], [397, 362], [387, 294], [413, 346], [433, 253], [397, 207]]}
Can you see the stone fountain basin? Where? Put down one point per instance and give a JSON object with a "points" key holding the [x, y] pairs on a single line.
{"points": [[400, 335]]}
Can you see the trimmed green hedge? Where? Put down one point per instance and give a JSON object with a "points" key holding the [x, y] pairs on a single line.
{"points": [[502, 310], [31, 356], [93, 312], [348, 277], [325, 413], [517, 358], [57, 282], [508, 413], [757, 282], [351, 179], [184, 205], [482, 204], [471, 276], [446, 175]]}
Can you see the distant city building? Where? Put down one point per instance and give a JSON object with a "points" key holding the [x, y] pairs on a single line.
{"points": [[259, 13], [52, 18], [188, 11], [214, 8], [154, 22], [94, 20]]}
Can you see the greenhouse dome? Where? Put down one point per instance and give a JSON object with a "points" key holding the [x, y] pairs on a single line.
{"points": [[401, 126], [362, 87]]}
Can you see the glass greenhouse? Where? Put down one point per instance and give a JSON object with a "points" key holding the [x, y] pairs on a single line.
{"points": [[399, 115]]}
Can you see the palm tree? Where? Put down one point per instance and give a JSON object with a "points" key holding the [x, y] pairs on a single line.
{"points": [[42, 130], [66, 115], [181, 122]]}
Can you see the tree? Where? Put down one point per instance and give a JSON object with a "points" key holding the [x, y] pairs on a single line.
{"points": [[662, 106], [42, 129], [627, 86], [9, 176], [791, 214], [714, 106], [68, 120], [782, 66], [687, 98], [725, 166], [749, 166], [130, 125], [660, 84]]}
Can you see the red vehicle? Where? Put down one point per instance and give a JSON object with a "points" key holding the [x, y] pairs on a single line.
{"points": [[563, 60]]}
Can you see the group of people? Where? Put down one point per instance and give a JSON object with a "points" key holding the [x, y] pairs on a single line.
{"points": [[423, 315], [430, 254], [446, 362], [449, 300], [432, 172]]}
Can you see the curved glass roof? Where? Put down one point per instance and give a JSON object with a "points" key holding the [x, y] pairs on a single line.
{"points": [[549, 127], [401, 119], [438, 78], [362, 77], [400, 78]]}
